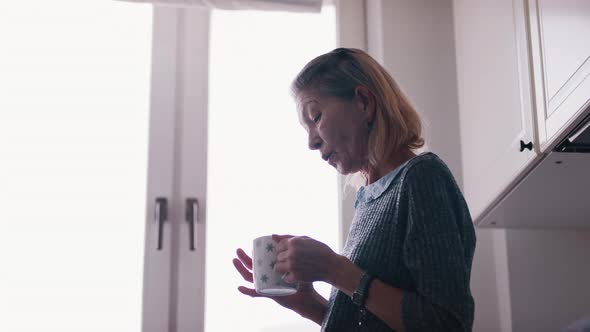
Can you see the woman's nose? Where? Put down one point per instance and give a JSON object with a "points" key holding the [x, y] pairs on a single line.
{"points": [[315, 142]]}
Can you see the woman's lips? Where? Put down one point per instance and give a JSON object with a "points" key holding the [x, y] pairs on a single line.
{"points": [[331, 158]]}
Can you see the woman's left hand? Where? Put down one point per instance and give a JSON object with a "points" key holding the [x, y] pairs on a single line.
{"points": [[304, 259]]}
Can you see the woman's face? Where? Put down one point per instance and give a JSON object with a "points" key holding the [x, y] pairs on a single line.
{"points": [[338, 128]]}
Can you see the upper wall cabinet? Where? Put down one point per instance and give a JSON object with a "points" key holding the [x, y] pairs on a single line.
{"points": [[560, 53], [495, 102], [523, 72]]}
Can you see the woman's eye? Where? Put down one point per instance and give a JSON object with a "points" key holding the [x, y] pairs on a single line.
{"points": [[317, 118]]}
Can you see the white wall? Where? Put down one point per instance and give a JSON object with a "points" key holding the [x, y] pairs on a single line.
{"points": [[351, 32], [418, 50], [484, 283], [549, 278], [414, 40]]}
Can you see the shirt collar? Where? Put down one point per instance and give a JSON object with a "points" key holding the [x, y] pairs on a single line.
{"points": [[376, 189]]}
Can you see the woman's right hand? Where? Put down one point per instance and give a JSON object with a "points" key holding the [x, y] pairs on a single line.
{"points": [[306, 302]]}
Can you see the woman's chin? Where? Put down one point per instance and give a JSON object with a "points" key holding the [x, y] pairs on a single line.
{"points": [[338, 168], [342, 169]]}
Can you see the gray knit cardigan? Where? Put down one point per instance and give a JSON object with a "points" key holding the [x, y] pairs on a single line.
{"points": [[417, 236]]}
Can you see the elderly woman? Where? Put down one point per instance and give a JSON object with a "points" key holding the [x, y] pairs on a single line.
{"points": [[407, 261]]}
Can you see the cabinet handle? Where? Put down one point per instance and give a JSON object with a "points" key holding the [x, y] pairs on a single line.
{"points": [[160, 216], [528, 146], [192, 213]]}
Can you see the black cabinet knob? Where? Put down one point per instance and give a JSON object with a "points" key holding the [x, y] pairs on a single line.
{"points": [[528, 146]]}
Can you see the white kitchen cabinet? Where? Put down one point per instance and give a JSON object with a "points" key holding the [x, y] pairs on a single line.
{"points": [[560, 53], [495, 102]]}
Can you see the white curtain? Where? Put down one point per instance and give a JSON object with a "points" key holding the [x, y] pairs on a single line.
{"points": [[275, 5]]}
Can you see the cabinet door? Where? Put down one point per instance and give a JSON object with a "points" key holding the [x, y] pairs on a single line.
{"points": [[560, 40], [494, 98]]}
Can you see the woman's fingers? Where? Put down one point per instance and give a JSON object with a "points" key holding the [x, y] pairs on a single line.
{"points": [[282, 264], [244, 258], [305, 286], [280, 239], [282, 257], [281, 267], [289, 278], [246, 274], [249, 291]]}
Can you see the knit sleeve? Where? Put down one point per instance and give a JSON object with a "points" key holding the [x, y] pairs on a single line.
{"points": [[438, 251]]}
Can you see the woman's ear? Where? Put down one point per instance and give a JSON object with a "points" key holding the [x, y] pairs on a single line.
{"points": [[367, 101]]}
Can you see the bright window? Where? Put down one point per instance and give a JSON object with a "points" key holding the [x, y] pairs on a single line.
{"points": [[262, 178], [74, 106]]}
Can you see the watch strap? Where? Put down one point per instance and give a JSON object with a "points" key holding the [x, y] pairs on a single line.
{"points": [[359, 297]]}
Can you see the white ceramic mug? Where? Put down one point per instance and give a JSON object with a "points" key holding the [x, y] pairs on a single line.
{"points": [[266, 280]]}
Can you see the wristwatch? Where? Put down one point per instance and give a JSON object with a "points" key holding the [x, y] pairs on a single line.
{"points": [[359, 297]]}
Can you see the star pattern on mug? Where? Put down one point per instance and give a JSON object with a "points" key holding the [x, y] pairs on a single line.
{"points": [[270, 247], [272, 264], [264, 278]]}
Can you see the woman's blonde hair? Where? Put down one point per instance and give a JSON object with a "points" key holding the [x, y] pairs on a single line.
{"points": [[396, 124]]}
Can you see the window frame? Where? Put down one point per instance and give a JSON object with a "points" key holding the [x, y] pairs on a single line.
{"points": [[179, 108]]}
